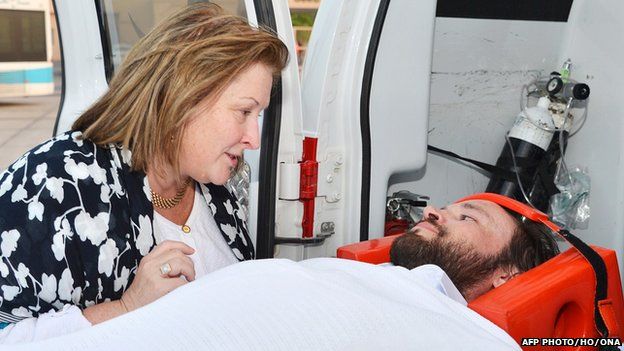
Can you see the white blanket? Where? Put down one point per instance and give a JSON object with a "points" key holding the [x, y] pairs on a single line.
{"points": [[319, 304]]}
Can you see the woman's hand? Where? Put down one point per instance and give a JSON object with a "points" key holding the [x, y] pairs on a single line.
{"points": [[149, 282], [159, 273]]}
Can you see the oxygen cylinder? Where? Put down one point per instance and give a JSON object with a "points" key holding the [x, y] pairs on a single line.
{"points": [[530, 145]]}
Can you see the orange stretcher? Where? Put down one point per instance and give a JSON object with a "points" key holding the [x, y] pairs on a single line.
{"points": [[565, 297]]}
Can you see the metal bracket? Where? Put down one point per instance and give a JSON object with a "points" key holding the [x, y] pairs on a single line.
{"points": [[330, 177]]}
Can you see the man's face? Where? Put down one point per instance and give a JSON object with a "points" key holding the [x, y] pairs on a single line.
{"points": [[464, 239], [480, 225]]}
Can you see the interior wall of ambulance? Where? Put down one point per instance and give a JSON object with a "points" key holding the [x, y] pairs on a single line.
{"points": [[479, 68]]}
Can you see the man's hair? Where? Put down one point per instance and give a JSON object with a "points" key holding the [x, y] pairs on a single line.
{"points": [[531, 244], [191, 56]]}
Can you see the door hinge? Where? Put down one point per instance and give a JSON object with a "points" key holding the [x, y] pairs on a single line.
{"points": [[308, 179]]}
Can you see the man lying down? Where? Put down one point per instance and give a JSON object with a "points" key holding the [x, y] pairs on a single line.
{"points": [[334, 304]]}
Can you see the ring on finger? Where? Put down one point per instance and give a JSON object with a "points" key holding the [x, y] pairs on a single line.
{"points": [[165, 268]]}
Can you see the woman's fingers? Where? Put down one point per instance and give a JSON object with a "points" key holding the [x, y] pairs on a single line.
{"points": [[167, 252], [179, 266], [168, 245], [158, 273], [170, 255]]}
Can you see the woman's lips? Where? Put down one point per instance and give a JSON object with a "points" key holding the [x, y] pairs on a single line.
{"points": [[233, 159]]}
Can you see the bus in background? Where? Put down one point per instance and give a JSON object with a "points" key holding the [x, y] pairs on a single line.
{"points": [[25, 48]]}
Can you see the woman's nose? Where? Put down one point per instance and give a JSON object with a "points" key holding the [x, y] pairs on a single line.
{"points": [[432, 214], [251, 138]]}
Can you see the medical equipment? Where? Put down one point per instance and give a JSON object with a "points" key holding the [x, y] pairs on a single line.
{"points": [[536, 143], [578, 91], [563, 297]]}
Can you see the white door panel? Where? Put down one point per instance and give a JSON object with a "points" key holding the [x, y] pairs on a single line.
{"points": [[331, 86], [399, 101], [83, 60]]}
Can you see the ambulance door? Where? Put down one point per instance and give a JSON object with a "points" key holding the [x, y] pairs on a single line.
{"points": [[95, 38], [365, 102]]}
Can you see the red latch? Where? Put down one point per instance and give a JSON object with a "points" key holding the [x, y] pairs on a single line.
{"points": [[308, 184]]}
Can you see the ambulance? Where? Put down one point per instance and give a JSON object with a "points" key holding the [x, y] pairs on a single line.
{"points": [[402, 103]]}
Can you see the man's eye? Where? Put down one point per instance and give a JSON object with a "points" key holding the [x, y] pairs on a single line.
{"points": [[466, 218], [246, 112]]}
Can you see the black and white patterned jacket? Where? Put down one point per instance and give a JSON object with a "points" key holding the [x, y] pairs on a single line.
{"points": [[75, 221]]}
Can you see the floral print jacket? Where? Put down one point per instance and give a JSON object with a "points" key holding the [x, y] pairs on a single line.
{"points": [[75, 221]]}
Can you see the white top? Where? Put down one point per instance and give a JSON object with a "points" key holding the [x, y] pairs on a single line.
{"points": [[211, 253], [316, 304], [211, 250]]}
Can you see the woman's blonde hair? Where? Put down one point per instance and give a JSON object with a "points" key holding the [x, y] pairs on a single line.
{"points": [[191, 56]]}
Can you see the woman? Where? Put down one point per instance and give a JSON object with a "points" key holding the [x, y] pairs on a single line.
{"points": [[129, 205]]}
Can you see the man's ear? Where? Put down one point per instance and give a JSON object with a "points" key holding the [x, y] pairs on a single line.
{"points": [[503, 275]]}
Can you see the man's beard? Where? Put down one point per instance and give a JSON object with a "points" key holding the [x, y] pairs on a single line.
{"points": [[463, 264]]}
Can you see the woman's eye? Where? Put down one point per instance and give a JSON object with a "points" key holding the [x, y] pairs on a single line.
{"points": [[242, 115]]}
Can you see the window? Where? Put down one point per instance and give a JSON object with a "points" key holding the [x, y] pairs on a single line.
{"points": [[22, 36], [302, 14], [124, 22]]}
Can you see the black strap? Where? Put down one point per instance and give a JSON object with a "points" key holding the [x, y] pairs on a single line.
{"points": [[600, 269], [546, 178], [494, 170]]}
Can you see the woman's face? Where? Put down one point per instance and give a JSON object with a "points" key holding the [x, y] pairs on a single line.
{"points": [[219, 132]]}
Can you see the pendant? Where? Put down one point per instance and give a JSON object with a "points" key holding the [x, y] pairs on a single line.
{"points": [[186, 229]]}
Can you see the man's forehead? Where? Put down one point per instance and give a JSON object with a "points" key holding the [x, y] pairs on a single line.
{"points": [[488, 209], [478, 203], [483, 208]]}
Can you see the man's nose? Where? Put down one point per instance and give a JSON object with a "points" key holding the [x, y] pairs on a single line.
{"points": [[251, 137], [433, 214]]}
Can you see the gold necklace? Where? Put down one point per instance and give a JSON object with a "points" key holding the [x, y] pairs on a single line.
{"points": [[163, 202]]}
